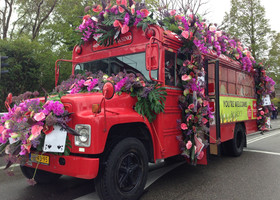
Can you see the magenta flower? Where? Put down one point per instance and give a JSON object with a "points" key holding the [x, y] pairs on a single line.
{"points": [[120, 84]]}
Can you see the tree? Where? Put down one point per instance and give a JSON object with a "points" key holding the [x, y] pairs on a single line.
{"points": [[34, 15], [185, 6], [274, 59], [31, 68], [246, 21], [6, 15]]}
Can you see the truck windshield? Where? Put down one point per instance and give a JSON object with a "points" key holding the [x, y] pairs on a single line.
{"points": [[133, 63]]}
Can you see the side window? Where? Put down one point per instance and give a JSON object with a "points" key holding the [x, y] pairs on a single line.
{"points": [[170, 69]]}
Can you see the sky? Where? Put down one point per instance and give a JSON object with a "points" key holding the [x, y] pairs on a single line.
{"points": [[217, 9]]}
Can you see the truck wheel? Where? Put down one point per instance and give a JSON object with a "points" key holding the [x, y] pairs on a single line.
{"points": [[237, 143], [125, 172], [41, 176]]}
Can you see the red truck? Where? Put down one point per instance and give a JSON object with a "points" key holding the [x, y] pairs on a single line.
{"points": [[116, 143]]}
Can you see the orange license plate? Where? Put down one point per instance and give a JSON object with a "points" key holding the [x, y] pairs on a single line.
{"points": [[42, 159]]}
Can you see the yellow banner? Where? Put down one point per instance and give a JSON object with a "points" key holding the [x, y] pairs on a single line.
{"points": [[234, 109]]}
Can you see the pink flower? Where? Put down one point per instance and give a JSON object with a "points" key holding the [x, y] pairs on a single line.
{"points": [[87, 83], [184, 126], [85, 18], [262, 112], [97, 8], [3, 136], [186, 77], [191, 106], [1, 129], [39, 116], [117, 23], [189, 144], [124, 29], [186, 34], [189, 118], [123, 2], [200, 156], [35, 131], [145, 12], [258, 118], [205, 103], [172, 12], [204, 120]]}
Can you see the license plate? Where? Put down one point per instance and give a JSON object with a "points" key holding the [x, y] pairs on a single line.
{"points": [[45, 160]]}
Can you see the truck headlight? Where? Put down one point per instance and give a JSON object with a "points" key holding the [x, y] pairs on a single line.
{"points": [[85, 132]]}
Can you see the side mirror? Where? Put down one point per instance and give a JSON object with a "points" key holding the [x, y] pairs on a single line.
{"points": [[152, 56], [108, 90]]}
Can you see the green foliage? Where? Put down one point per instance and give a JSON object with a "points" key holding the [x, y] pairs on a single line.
{"points": [[246, 21], [276, 102], [274, 58], [147, 21], [153, 104], [31, 68]]}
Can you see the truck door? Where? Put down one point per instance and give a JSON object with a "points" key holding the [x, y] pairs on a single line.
{"points": [[172, 112], [212, 90]]}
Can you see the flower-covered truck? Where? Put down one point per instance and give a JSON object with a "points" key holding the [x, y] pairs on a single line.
{"points": [[140, 90]]}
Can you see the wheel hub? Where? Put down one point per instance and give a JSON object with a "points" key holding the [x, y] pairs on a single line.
{"points": [[129, 172]]}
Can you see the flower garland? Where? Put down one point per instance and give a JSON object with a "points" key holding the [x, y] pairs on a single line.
{"points": [[151, 97], [264, 85], [196, 110]]}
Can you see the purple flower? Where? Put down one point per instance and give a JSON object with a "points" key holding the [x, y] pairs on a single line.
{"points": [[126, 19], [120, 84]]}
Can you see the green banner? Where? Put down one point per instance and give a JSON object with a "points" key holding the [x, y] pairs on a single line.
{"points": [[234, 109]]}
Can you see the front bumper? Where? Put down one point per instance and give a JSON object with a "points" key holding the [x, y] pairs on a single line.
{"points": [[76, 166]]}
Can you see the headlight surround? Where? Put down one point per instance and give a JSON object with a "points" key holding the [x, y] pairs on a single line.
{"points": [[84, 139]]}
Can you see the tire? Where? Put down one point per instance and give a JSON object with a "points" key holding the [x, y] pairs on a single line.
{"points": [[40, 176], [238, 142], [125, 172]]}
